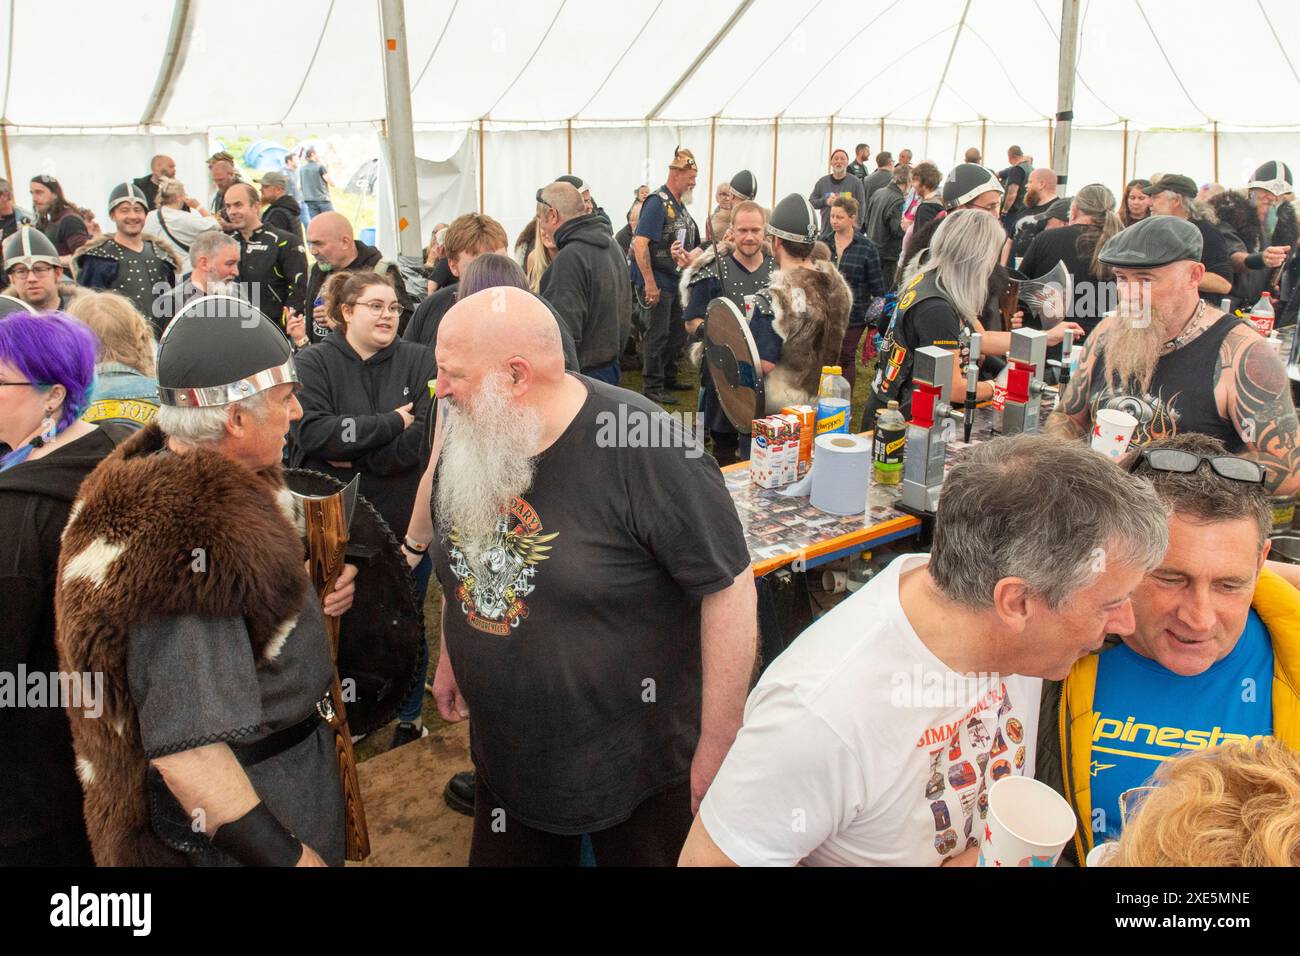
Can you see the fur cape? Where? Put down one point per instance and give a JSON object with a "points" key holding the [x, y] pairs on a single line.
{"points": [[810, 309], [812, 334], [127, 556]]}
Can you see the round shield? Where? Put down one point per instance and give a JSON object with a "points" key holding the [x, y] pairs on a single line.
{"points": [[9, 305], [381, 634], [733, 363]]}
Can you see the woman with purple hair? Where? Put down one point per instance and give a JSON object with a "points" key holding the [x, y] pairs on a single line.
{"points": [[47, 369]]}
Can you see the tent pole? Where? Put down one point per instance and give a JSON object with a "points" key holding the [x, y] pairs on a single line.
{"points": [[4, 141], [570, 139], [1125, 166], [480, 164], [1216, 151], [399, 127], [830, 136], [1060, 146], [1049, 139], [776, 143], [984, 129], [882, 134], [713, 132]]}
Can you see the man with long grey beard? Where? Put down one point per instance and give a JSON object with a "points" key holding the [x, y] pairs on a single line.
{"points": [[599, 614], [1178, 365]]}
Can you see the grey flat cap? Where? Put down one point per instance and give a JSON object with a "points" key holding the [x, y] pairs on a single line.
{"points": [[1155, 241]]}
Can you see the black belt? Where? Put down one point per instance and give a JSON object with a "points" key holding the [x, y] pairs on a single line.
{"points": [[277, 743]]}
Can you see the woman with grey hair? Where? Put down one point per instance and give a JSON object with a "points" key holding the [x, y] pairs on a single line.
{"points": [[943, 293]]}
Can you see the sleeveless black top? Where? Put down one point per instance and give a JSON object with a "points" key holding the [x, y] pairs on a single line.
{"points": [[1180, 397]]}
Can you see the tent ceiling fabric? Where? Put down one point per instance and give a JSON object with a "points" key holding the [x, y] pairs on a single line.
{"points": [[1155, 63]]}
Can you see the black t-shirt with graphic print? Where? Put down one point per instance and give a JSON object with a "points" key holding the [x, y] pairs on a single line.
{"points": [[575, 639]]}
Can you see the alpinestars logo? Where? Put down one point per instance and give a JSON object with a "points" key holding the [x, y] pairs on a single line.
{"points": [[492, 588]]}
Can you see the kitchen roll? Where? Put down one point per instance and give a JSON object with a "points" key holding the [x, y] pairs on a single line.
{"points": [[841, 472]]}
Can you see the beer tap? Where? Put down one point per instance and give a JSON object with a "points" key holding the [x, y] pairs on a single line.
{"points": [[931, 428], [1025, 386], [972, 383], [1066, 360]]}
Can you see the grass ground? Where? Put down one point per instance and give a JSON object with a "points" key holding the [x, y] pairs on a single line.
{"points": [[379, 741]]}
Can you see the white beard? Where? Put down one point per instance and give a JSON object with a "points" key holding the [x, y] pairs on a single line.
{"points": [[688, 197], [485, 464]]}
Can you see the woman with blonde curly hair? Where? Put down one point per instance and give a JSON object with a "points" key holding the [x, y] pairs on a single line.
{"points": [[1231, 806], [126, 387]]}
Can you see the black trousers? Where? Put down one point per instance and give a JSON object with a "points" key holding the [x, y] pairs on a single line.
{"points": [[652, 836]]}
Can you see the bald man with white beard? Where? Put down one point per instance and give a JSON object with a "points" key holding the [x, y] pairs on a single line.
{"points": [[599, 618]]}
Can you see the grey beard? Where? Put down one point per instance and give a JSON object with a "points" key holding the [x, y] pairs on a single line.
{"points": [[688, 197], [485, 464], [1132, 351]]}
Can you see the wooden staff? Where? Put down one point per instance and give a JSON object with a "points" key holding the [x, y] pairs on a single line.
{"points": [[327, 539]]}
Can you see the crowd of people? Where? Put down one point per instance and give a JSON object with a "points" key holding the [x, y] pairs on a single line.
{"points": [[598, 607]]}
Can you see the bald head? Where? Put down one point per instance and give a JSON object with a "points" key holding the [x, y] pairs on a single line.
{"points": [[565, 200], [490, 330], [1041, 187], [162, 166], [329, 238]]}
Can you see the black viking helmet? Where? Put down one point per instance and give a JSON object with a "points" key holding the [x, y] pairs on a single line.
{"points": [[219, 350], [793, 220], [28, 246], [965, 181], [743, 185], [126, 192]]}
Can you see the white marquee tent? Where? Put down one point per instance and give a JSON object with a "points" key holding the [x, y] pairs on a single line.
{"points": [[507, 94]]}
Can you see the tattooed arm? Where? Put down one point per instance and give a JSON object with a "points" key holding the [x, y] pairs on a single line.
{"points": [[1072, 417], [1254, 393]]}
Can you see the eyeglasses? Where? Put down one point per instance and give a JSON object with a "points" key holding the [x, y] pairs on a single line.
{"points": [[383, 308], [1130, 801], [1186, 462], [41, 270], [992, 207], [3, 384]]}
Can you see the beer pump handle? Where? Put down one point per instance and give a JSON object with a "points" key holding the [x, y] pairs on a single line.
{"points": [[1067, 350], [972, 383]]}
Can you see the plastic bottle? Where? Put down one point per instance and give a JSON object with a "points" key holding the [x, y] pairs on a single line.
{"points": [[1225, 305], [1262, 315], [887, 446], [834, 398]]}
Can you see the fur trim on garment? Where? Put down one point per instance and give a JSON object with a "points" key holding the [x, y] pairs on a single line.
{"points": [[128, 556], [69, 292], [810, 309]]}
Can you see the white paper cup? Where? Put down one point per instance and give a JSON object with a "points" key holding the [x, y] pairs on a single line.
{"points": [[1111, 432], [834, 582], [1028, 824], [1102, 854]]}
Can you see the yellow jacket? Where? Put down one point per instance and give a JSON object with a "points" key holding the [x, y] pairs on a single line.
{"points": [[1278, 605]]}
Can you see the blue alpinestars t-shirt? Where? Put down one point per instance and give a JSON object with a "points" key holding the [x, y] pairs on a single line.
{"points": [[1143, 714]]}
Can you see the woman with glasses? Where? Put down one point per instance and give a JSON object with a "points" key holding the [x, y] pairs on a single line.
{"points": [[47, 368], [365, 397]]}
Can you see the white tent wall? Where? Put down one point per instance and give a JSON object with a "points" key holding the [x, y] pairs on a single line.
{"points": [[89, 165]]}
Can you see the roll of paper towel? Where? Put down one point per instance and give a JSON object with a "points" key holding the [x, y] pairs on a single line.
{"points": [[840, 474]]}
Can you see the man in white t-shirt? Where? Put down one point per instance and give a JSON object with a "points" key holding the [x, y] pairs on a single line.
{"points": [[873, 740]]}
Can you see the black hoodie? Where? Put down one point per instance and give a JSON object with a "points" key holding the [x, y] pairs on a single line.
{"points": [[587, 283], [42, 793], [284, 213], [348, 417]]}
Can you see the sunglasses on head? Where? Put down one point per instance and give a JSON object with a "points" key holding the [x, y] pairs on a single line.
{"points": [[542, 201], [1186, 462]]}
